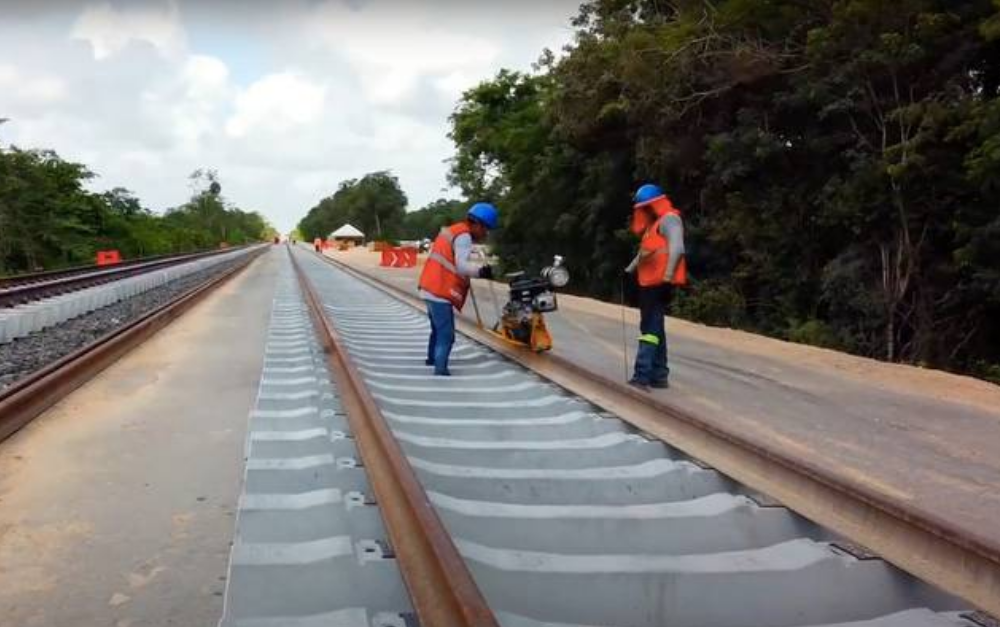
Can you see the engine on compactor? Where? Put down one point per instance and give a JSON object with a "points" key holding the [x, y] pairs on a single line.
{"points": [[521, 320]]}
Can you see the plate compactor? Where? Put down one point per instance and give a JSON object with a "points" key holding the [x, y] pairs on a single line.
{"points": [[521, 321]]}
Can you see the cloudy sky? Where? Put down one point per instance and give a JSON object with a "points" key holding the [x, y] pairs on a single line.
{"points": [[285, 99]]}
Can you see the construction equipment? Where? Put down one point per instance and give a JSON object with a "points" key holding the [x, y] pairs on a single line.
{"points": [[521, 321]]}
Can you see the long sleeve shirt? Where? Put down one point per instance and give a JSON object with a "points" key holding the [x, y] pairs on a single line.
{"points": [[673, 229]]}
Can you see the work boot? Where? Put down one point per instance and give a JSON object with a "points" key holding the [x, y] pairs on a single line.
{"points": [[639, 384], [428, 362], [660, 385]]}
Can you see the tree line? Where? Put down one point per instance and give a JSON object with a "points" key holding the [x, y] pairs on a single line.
{"points": [[376, 204], [48, 219]]}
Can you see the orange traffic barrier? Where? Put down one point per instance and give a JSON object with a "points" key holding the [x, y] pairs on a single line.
{"points": [[108, 257], [400, 257]]}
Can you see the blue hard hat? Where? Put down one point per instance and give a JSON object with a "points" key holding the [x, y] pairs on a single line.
{"points": [[486, 214], [647, 193]]}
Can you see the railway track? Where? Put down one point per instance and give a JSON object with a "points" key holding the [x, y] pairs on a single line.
{"points": [[379, 495], [26, 288], [29, 396], [37, 306]]}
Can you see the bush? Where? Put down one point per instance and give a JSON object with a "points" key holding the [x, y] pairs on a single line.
{"points": [[815, 333], [711, 302], [988, 371]]}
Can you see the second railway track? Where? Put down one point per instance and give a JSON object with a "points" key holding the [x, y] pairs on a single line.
{"points": [[563, 515], [64, 369], [25, 288]]}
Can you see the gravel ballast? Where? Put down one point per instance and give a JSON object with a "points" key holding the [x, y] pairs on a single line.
{"points": [[25, 355]]}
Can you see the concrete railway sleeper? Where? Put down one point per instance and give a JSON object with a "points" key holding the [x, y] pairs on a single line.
{"points": [[563, 514], [31, 308]]}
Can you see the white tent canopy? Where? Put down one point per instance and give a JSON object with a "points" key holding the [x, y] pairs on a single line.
{"points": [[347, 232]]}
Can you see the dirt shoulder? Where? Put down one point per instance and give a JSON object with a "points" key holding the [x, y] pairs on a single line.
{"points": [[899, 378]]}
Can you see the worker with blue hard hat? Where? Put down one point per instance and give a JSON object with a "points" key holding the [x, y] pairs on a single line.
{"points": [[659, 266], [445, 280]]}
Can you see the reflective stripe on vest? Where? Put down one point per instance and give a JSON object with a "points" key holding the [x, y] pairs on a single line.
{"points": [[440, 275], [441, 259], [653, 265]]}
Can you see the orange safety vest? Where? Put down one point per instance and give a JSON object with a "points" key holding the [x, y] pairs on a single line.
{"points": [[440, 275], [653, 266]]}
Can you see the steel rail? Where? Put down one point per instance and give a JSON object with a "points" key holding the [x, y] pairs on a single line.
{"points": [[440, 585], [25, 288], [26, 399], [928, 546]]}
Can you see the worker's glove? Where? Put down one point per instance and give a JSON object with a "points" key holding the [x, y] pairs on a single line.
{"points": [[486, 272], [630, 268]]}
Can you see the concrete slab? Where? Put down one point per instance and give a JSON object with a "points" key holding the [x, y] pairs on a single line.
{"points": [[117, 506]]}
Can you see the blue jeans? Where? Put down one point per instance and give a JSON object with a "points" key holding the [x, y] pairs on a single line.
{"points": [[651, 358], [442, 318]]}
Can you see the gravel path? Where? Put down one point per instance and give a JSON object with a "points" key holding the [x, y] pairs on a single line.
{"points": [[27, 354]]}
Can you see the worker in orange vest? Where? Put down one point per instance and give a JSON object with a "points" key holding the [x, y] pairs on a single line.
{"points": [[659, 266], [444, 282]]}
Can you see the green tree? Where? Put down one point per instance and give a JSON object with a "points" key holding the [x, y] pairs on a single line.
{"points": [[427, 221], [375, 203], [49, 220], [836, 163]]}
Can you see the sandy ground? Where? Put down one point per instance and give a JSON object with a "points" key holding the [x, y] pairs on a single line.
{"points": [[117, 505], [923, 437], [904, 379]]}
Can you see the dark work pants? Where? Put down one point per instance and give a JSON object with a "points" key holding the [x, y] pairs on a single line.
{"points": [[651, 358]]}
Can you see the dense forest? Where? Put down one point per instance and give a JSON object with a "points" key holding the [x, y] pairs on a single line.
{"points": [[837, 163], [48, 219]]}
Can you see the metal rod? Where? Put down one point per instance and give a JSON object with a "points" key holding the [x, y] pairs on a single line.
{"points": [[624, 332], [496, 306], [475, 305]]}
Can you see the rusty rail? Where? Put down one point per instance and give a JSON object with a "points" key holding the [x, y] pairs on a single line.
{"points": [[26, 399], [441, 588], [927, 546]]}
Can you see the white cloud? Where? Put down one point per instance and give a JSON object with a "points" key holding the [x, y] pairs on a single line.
{"points": [[205, 73], [392, 45], [109, 30], [195, 100], [31, 90], [276, 103], [284, 99]]}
